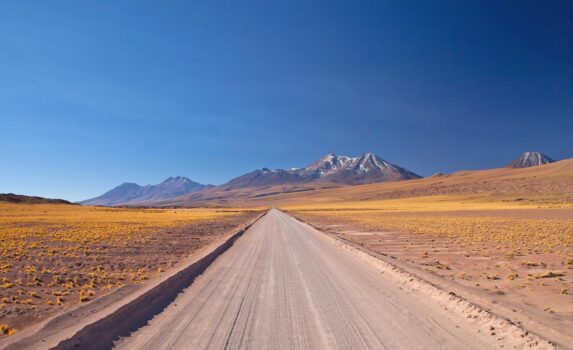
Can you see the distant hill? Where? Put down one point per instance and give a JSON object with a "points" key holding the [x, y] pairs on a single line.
{"points": [[264, 177], [18, 198], [549, 183], [529, 159], [332, 168], [362, 178], [134, 194], [331, 171]]}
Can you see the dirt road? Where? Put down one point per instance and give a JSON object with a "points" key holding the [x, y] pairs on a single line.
{"points": [[284, 285]]}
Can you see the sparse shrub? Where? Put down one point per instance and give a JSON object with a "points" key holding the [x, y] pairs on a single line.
{"points": [[7, 330], [550, 274], [512, 276]]}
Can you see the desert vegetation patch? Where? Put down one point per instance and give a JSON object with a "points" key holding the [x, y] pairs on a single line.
{"points": [[56, 256]]}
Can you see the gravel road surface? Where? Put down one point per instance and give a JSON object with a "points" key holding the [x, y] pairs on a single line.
{"points": [[284, 285]]}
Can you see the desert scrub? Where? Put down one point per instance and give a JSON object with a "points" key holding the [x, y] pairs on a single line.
{"points": [[550, 274], [53, 256], [512, 276], [6, 329], [526, 236]]}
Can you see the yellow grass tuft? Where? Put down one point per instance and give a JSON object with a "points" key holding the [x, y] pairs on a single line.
{"points": [[7, 330], [512, 276]]}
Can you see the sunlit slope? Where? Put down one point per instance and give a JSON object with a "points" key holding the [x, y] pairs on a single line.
{"points": [[547, 185]]}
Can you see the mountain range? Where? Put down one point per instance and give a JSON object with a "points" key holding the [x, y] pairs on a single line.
{"points": [[367, 168], [134, 194], [332, 168], [329, 171]]}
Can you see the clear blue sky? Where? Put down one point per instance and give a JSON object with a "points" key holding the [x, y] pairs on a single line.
{"points": [[96, 93]]}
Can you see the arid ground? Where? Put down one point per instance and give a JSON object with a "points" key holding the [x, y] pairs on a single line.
{"points": [[287, 286], [516, 261], [56, 256]]}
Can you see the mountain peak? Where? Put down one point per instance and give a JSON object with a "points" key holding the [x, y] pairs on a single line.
{"points": [[326, 165], [176, 179], [366, 168], [129, 184], [529, 159], [329, 158], [134, 194], [369, 161]]}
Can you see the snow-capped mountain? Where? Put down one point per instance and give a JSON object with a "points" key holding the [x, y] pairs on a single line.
{"points": [[327, 165], [367, 168], [131, 193], [529, 159], [332, 168]]}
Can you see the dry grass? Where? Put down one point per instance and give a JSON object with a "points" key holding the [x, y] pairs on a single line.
{"points": [[525, 236], [513, 251], [6, 330], [439, 216], [54, 256], [440, 202]]}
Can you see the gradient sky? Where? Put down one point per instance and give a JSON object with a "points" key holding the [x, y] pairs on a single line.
{"points": [[96, 93]]}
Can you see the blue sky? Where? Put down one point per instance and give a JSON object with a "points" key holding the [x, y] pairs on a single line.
{"points": [[96, 93]]}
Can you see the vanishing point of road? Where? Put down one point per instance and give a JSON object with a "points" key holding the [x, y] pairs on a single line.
{"points": [[284, 285]]}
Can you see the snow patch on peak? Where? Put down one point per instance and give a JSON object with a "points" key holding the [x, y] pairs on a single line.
{"points": [[336, 165], [528, 159], [366, 168]]}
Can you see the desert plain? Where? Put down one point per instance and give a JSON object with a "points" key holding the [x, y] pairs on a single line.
{"points": [[500, 239], [55, 256]]}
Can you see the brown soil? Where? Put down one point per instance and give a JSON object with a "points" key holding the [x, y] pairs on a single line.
{"points": [[90, 276], [534, 289]]}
